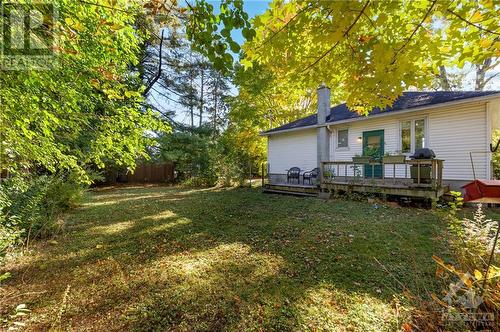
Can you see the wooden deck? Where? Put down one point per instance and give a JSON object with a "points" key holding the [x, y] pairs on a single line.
{"points": [[292, 189], [411, 178], [395, 178], [385, 189]]}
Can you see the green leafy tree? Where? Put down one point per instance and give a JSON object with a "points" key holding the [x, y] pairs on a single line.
{"points": [[371, 51], [189, 148], [211, 32], [88, 110]]}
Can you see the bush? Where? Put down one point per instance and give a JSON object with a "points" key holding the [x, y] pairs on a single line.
{"points": [[474, 242], [495, 160], [10, 233], [198, 182], [229, 173], [29, 207], [228, 169], [472, 286]]}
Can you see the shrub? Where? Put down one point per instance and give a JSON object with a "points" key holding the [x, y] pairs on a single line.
{"points": [[189, 149], [198, 182], [229, 169], [10, 233], [30, 206], [475, 241], [495, 160], [476, 289]]}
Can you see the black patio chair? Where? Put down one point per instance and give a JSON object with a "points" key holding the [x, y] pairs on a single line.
{"points": [[293, 173], [310, 175]]}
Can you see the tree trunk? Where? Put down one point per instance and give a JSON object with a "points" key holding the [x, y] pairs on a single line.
{"points": [[201, 97], [191, 102], [215, 104], [481, 74], [443, 79]]}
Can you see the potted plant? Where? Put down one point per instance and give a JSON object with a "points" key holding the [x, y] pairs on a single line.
{"points": [[394, 158], [329, 175], [359, 159], [369, 155]]}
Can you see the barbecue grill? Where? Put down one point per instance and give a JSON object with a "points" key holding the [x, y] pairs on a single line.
{"points": [[426, 169]]}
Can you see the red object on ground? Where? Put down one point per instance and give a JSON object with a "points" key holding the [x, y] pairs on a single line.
{"points": [[482, 191]]}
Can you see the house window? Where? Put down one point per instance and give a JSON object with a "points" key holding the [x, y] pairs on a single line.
{"points": [[343, 138], [419, 134], [412, 135], [406, 136]]}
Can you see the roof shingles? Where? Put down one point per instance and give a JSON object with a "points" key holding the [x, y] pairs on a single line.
{"points": [[407, 101]]}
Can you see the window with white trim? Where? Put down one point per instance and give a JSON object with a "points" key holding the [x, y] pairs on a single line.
{"points": [[343, 138], [413, 135]]}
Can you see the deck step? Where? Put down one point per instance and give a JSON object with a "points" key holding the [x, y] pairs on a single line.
{"points": [[296, 193]]}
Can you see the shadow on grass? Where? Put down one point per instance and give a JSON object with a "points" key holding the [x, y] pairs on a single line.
{"points": [[160, 258]]}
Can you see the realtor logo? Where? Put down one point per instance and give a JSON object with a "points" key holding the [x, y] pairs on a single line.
{"points": [[28, 35], [469, 302]]}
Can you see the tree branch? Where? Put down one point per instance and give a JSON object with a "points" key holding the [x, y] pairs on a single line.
{"points": [[490, 78], [285, 25], [105, 6], [394, 58], [473, 24], [165, 96], [338, 42], [492, 65], [368, 17], [172, 91], [153, 81]]}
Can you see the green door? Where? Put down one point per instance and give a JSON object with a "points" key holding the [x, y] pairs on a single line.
{"points": [[373, 145]]}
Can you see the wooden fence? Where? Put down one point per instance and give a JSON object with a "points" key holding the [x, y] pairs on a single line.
{"points": [[145, 173]]}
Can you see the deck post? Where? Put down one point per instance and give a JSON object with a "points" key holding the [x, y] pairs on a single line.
{"points": [[262, 175], [383, 171], [440, 173], [322, 172], [434, 174], [250, 173], [418, 172]]}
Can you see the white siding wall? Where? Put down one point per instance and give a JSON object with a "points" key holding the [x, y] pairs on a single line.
{"points": [[495, 114], [291, 149], [356, 129], [452, 133]]}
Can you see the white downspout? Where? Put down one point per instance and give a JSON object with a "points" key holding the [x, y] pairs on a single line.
{"points": [[332, 142], [488, 141]]}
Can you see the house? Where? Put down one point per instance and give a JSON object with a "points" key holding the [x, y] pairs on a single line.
{"points": [[452, 124]]}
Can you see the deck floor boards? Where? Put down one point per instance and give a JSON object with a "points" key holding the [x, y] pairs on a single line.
{"points": [[397, 189]]}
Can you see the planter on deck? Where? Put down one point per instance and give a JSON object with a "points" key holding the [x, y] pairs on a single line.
{"points": [[362, 160], [398, 159]]}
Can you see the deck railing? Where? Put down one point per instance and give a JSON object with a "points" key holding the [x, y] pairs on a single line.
{"points": [[410, 173]]}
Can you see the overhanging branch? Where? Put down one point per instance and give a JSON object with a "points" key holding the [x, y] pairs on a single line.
{"points": [[413, 33], [285, 25], [338, 42], [158, 74], [473, 24]]}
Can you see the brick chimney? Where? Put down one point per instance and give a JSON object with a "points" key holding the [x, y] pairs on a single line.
{"points": [[323, 137], [323, 103]]}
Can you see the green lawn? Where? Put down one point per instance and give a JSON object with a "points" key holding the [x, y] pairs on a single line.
{"points": [[160, 258]]}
